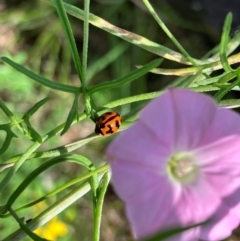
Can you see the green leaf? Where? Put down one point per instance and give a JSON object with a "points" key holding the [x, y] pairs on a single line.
{"points": [[126, 79], [211, 80], [207, 88], [85, 45], [69, 34], [8, 139], [230, 103], [72, 114], [169, 233], [167, 31], [25, 228], [57, 207], [105, 60], [34, 136], [32, 176], [34, 109], [224, 43], [226, 77], [98, 208], [40, 79], [31, 132], [92, 175], [17, 165], [133, 38], [224, 90]]}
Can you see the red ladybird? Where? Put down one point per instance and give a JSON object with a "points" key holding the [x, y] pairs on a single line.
{"points": [[108, 123]]}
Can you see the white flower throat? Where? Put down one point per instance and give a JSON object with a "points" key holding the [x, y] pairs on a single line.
{"points": [[182, 168]]}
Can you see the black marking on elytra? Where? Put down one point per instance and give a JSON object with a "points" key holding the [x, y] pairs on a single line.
{"points": [[103, 117], [117, 124], [110, 131], [111, 118]]}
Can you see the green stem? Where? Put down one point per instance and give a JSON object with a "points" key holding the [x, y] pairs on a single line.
{"points": [[205, 68], [86, 97], [85, 44], [99, 206], [25, 228]]}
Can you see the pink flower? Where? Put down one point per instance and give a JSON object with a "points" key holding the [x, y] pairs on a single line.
{"points": [[179, 165]]}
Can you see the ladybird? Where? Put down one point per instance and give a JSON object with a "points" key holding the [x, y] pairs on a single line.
{"points": [[108, 123]]}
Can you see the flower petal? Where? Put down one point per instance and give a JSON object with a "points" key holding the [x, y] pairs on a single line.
{"points": [[131, 179], [177, 116], [221, 225], [233, 200], [225, 123], [220, 164], [151, 209], [193, 205], [139, 146]]}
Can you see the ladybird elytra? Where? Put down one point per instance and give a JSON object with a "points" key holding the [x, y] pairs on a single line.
{"points": [[108, 123]]}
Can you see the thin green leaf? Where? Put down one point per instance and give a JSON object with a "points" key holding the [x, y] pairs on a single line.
{"points": [[72, 115], [33, 109], [6, 110], [9, 136], [226, 78], [126, 79], [92, 174], [105, 60], [167, 31], [31, 131], [230, 103], [169, 233], [224, 90], [98, 210], [211, 80], [10, 115], [85, 44], [17, 165], [40, 79], [207, 88], [133, 38], [51, 153], [53, 210], [35, 137], [224, 43], [69, 34], [32, 176], [205, 68]]}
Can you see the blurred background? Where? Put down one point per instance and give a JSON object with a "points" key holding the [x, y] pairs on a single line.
{"points": [[31, 34]]}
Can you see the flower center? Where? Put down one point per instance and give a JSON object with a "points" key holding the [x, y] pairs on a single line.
{"points": [[182, 168]]}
